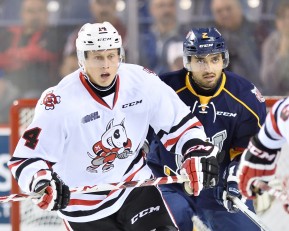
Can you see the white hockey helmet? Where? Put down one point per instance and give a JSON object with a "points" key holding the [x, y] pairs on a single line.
{"points": [[97, 36]]}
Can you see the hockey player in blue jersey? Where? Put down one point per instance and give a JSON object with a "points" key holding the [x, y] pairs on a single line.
{"points": [[231, 110]]}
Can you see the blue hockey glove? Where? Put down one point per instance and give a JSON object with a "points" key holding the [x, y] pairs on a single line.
{"points": [[230, 189]]}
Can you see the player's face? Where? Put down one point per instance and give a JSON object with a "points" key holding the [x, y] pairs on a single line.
{"points": [[101, 66], [207, 70]]}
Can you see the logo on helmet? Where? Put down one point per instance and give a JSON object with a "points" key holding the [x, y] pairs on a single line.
{"points": [[205, 35], [206, 45], [104, 39], [102, 30]]}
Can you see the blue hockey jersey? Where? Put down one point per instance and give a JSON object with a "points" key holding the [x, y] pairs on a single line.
{"points": [[230, 116]]}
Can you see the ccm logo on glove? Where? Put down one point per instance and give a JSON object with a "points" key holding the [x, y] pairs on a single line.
{"points": [[260, 153], [199, 148]]}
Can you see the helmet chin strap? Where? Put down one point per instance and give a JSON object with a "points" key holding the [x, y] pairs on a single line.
{"points": [[83, 69]]}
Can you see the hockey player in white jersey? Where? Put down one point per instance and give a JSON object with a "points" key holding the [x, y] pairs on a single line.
{"points": [[89, 130], [259, 160]]}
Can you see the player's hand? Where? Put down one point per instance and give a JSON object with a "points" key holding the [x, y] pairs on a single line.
{"points": [[257, 163], [224, 194], [54, 193], [201, 166]]}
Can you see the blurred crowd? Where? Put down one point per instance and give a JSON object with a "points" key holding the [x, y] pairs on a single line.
{"points": [[37, 37]]}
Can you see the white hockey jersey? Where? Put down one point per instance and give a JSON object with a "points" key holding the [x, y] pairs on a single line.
{"points": [[87, 142], [275, 131]]}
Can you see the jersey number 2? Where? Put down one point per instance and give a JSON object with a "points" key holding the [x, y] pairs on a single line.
{"points": [[31, 137]]}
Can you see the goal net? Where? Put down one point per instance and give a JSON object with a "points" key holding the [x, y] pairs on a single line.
{"points": [[26, 216]]}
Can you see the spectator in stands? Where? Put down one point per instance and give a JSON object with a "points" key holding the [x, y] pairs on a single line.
{"points": [[105, 10], [8, 93], [29, 53], [164, 29], [275, 55], [242, 36], [69, 64], [101, 11], [175, 55]]}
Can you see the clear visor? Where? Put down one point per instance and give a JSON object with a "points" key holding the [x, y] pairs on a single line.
{"points": [[206, 62], [103, 58]]}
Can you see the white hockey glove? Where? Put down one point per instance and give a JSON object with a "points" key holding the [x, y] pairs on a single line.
{"points": [[55, 194], [201, 166], [257, 163], [224, 194]]}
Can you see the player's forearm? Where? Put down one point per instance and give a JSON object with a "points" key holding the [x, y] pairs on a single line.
{"points": [[23, 170], [272, 141]]}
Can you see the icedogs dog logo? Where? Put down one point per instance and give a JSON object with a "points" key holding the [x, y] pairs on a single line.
{"points": [[114, 144]]}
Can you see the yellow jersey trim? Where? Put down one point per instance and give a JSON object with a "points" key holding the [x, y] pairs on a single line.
{"points": [[245, 105]]}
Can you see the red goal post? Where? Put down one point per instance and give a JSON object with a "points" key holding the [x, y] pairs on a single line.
{"points": [[16, 122], [270, 100], [21, 115], [25, 215]]}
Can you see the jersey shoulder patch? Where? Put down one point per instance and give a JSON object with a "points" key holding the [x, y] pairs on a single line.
{"points": [[258, 94]]}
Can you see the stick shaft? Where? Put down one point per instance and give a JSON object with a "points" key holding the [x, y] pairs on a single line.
{"points": [[105, 187], [253, 217]]}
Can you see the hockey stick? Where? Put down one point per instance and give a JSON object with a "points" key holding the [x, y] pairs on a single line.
{"points": [[244, 209], [105, 187], [276, 193], [199, 225], [239, 204]]}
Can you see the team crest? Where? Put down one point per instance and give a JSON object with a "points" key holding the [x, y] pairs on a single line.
{"points": [[50, 100], [258, 95], [285, 113], [114, 144], [149, 71]]}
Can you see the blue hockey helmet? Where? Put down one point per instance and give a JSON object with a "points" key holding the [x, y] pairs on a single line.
{"points": [[204, 41]]}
